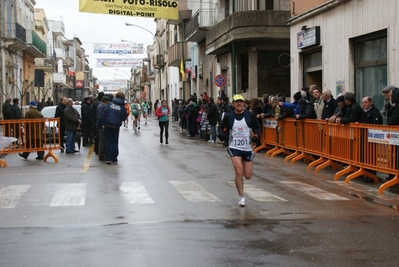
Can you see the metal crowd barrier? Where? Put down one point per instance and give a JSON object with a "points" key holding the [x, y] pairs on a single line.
{"points": [[355, 150], [32, 135]]}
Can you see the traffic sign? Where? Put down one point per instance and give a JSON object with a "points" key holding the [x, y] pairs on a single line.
{"points": [[220, 80]]}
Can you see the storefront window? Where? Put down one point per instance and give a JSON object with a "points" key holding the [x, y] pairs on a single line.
{"points": [[371, 69]]}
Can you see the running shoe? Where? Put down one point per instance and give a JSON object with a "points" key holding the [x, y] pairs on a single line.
{"points": [[241, 203], [145, 123], [211, 141], [138, 128], [109, 162]]}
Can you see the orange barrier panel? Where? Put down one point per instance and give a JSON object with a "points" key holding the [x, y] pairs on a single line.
{"points": [[292, 135], [32, 135], [269, 135]]}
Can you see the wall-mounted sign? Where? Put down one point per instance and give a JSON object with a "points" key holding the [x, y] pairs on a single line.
{"points": [[308, 37], [220, 80]]}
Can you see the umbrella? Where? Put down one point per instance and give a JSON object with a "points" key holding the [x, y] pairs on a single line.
{"points": [[78, 136]]}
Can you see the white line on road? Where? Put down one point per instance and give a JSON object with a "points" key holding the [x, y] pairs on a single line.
{"points": [[11, 194], [313, 191], [135, 193], [258, 194], [193, 192], [69, 195]]}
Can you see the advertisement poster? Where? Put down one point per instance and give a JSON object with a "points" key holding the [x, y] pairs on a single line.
{"points": [[118, 62]]}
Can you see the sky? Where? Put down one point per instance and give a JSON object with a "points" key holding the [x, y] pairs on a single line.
{"points": [[98, 28]]}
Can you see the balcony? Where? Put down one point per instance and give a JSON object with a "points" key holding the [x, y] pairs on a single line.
{"points": [[58, 28], [15, 37], [68, 62], [196, 28], [184, 13], [36, 47], [43, 64], [59, 78], [175, 54], [59, 53], [266, 25]]}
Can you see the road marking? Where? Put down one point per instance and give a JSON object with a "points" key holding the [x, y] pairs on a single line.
{"points": [[193, 192], [313, 191], [39, 195], [11, 194], [86, 165], [258, 194], [69, 195], [135, 193]]}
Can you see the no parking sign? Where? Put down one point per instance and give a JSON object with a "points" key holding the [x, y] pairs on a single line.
{"points": [[220, 80]]}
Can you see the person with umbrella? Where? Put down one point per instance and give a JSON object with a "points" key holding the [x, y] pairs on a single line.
{"points": [[72, 122]]}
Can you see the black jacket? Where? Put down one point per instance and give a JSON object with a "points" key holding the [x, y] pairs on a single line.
{"points": [[16, 112], [371, 116], [59, 113], [353, 113], [394, 119], [87, 115], [329, 108], [213, 114], [307, 112]]}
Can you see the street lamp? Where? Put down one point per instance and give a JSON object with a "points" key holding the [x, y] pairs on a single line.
{"points": [[159, 58]]}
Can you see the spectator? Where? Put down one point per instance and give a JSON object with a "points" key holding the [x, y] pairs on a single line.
{"points": [[370, 114], [289, 110], [306, 110], [192, 115], [72, 122], [87, 121], [100, 127], [16, 115], [329, 104], [353, 111], [387, 110], [115, 114], [40, 105], [394, 118], [318, 103], [33, 131], [339, 110], [311, 89], [59, 113], [213, 116], [6, 110], [96, 103], [49, 102]]}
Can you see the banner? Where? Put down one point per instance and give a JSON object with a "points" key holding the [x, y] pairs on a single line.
{"points": [[115, 85], [118, 62], [383, 136], [118, 48], [161, 9]]}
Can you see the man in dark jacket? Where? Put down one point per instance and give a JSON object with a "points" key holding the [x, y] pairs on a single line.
{"points": [[87, 121], [6, 110], [330, 104], [96, 103], [72, 122], [394, 118], [16, 114], [213, 116], [59, 113], [370, 114], [113, 116], [306, 110], [353, 111]]}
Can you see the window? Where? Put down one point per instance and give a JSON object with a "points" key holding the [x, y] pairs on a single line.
{"points": [[371, 68]]}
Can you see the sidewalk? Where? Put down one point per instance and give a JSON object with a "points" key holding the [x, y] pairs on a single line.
{"points": [[356, 188]]}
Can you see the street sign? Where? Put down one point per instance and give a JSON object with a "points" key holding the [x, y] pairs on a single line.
{"points": [[220, 80]]}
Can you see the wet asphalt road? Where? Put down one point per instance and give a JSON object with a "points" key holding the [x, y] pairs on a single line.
{"points": [[176, 205]]}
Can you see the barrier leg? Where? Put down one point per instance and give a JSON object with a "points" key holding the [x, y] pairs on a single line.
{"points": [[3, 163], [361, 172], [316, 162], [271, 151], [329, 162], [303, 155], [263, 146], [281, 150], [289, 157], [50, 154], [390, 183], [346, 170]]}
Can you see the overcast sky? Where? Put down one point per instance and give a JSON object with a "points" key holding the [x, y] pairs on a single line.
{"points": [[98, 28]]}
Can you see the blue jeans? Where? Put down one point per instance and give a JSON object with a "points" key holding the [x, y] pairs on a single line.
{"points": [[213, 132], [111, 144], [70, 141]]}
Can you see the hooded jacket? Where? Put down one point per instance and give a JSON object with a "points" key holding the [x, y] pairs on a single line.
{"points": [[394, 119], [114, 113]]}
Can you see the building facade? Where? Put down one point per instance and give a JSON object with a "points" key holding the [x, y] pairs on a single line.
{"points": [[345, 46]]}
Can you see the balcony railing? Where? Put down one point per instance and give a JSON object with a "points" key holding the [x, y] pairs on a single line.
{"points": [[59, 78], [15, 30], [32, 39], [58, 28], [203, 19], [175, 54]]}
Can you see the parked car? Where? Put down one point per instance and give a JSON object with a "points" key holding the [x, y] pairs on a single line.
{"points": [[51, 128]]}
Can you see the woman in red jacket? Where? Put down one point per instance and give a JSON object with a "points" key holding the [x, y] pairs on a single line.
{"points": [[163, 113]]}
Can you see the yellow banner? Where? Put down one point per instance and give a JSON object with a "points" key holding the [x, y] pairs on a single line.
{"points": [[161, 9]]}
